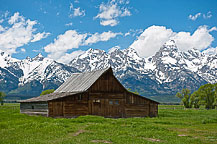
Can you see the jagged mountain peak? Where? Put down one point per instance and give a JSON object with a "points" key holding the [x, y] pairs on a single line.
{"points": [[169, 45], [28, 58], [91, 50], [38, 57], [113, 49], [131, 52]]}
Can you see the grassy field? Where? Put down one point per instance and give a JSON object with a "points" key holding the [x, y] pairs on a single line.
{"points": [[174, 125]]}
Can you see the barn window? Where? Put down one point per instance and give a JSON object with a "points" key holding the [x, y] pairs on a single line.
{"points": [[111, 102], [117, 102], [96, 101], [32, 107]]}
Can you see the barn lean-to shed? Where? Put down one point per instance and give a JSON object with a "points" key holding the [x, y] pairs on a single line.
{"points": [[91, 93]]}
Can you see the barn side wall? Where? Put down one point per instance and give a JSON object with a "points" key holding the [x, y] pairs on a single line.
{"points": [[137, 106], [106, 97], [34, 108], [107, 104], [70, 106]]}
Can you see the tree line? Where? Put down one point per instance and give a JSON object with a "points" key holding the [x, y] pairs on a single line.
{"points": [[206, 95]]}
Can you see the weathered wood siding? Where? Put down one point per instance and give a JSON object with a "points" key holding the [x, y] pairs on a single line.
{"points": [[153, 109], [70, 106], [107, 83], [106, 104], [137, 106], [34, 108]]}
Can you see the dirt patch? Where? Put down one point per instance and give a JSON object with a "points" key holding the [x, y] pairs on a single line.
{"points": [[182, 135], [79, 132], [100, 141], [153, 140]]}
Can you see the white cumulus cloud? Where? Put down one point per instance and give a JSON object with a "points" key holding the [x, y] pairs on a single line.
{"points": [[39, 36], [74, 12], [67, 57], [208, 15], [197, 15], [19, 32], [150, 41], [69, 40], [110, 12], [110, 22], [200, 39], [1, 20], [194, 17], [72, 39], [79, 12], [105, 36], [210, 51], [1, 28]]}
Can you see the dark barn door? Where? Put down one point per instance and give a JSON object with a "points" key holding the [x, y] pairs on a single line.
{"points": [[58, 109], [96, 107], [115, 108]]}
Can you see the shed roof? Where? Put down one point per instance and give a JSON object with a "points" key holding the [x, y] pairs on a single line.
{"points": [[48, 97], [80, 82]]}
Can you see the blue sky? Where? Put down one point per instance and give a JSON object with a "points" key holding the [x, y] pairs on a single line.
{"points": [[63, 29]]}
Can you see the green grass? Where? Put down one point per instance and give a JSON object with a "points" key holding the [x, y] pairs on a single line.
{"points": [[174, 125]]}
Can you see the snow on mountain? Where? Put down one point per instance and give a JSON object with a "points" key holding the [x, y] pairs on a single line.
{"points": [[166, 72], [169, 68], [6, 59], [46, 72], [33, 68]]}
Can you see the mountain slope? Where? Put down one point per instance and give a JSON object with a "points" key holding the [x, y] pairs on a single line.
{"points": [[164, 73], [31, 75]]}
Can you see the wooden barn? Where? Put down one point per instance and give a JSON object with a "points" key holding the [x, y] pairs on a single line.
{"points": [[91, 93]]}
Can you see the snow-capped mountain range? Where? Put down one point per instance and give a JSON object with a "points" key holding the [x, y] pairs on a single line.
{"points": [[31, 75], [164, 73]]}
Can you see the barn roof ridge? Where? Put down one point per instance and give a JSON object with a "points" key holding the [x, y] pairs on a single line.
{"points": [[95, 70], [81, 82]]}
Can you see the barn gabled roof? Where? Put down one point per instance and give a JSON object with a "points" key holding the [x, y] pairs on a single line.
{"points": [[80, 82], [76, 83]]}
